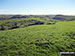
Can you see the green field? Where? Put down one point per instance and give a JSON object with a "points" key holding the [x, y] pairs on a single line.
{"points": [[38, 40]]}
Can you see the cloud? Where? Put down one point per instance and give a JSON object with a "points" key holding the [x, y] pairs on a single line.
{"points": [[40, 12], [44, 12], [2, 10]]}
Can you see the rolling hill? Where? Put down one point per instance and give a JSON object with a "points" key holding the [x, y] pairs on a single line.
{"points": [[38, 40]]}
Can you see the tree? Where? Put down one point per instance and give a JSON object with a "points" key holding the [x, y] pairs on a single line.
{"points": [[2, 27]]}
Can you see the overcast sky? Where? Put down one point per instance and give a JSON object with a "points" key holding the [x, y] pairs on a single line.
{"points": [[66, 7]]}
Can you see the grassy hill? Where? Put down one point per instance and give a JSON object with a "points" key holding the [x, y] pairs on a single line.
{"points": [[23, 22], [64, 18], [38, 40], [45, 17]]}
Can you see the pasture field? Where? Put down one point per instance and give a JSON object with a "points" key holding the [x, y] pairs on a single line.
{"points": [[38, 40]]}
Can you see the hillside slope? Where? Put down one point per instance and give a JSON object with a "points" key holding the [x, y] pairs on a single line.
{"points": [[38, 40], [64, 18]]}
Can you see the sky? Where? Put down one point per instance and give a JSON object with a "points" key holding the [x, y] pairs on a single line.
{"points": [[37, 7]]}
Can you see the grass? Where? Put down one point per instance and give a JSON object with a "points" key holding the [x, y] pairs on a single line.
{"points": [[64, 18], [24, 22], [38, 40]]}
